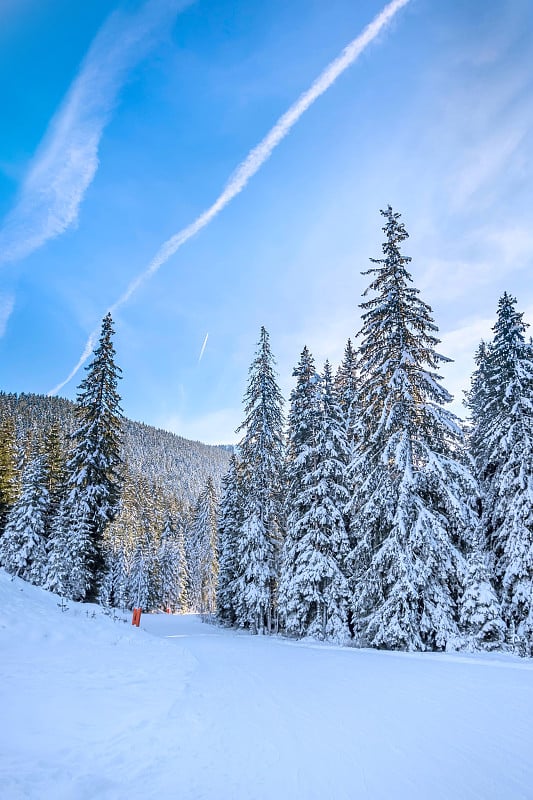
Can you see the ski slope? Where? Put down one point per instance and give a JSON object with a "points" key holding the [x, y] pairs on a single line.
{"points": [[93, 709]]}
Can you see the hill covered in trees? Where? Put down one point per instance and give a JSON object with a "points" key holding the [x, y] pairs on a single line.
{"points": [[180, 467]]}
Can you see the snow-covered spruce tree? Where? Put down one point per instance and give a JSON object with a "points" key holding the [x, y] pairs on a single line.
{"points": [[481, 620], [8, 468], [347, 390], [230, 520], [119, 542], [477, 401], [172, 576], [141, 580], [93, 471], [203, 568], [261, 453], [58, 569], [70, 552], [410, 512], [508, 477], [22, 547], [55, 473], [302, 434], [314, 594]]}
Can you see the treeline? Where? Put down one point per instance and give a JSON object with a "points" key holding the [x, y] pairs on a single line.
{"points": [[93, 506], [379, 517], [372, 515]]}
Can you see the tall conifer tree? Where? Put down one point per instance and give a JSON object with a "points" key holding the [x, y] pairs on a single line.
{"points": [[8, 468], [230, 521], [410, 510], [347, 390], [261, 452], [203, 574], [94, 477], [314, 593], [507, 469], [22, 547]]}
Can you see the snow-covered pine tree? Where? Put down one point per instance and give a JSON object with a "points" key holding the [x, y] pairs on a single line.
{"points": [[302, 434], [94, 480], [203, 571], [347, 390], [141, 580], [55, 473], [477, 401], [230, 521], [508, 480], [119, 543], [58, 570], [172, 576], [22, 547], [261, 453], [70, 552], [314, 589], [481, 620], [410, 510], [8, 468]]}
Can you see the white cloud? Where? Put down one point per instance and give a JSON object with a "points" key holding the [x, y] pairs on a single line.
{"points": [[67, 159], [7, 303]]}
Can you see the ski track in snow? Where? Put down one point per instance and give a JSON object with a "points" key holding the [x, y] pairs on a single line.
{"points": [[93, 709]]}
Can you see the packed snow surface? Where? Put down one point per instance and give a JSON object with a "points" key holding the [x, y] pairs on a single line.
{"points": [[93, 709]]}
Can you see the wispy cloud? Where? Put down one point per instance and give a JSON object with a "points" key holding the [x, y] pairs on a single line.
{"points": [[253, 161], [486, 161], [7, 304], [67, 159], [483, 255]]}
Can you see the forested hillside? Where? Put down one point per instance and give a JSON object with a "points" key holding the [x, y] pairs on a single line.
{"points": [[105, 508], [179, 466]]}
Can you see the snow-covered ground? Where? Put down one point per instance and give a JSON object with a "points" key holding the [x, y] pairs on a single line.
{"points": [[92, 709]]}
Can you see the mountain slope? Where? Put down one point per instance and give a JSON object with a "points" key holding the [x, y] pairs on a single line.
{"points": [[180, 466]]}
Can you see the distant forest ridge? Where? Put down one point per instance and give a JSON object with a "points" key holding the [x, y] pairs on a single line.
{"points": [[179, 466]]}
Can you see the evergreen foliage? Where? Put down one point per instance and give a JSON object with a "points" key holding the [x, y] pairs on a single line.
{"points": [[203, 573], [94, 479], [230, 522], [261, 452], [8, 467], [347, 391], [22, 547], [314, 590], [410, 508], [481, 620], [172, 572], [505, 461]]}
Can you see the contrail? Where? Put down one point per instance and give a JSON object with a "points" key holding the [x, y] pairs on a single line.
{"points": [[66, 161], [7, 303], [203, 347], [253, 161]]}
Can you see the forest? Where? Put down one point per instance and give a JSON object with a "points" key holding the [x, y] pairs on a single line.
{"points": [[368, 514]]}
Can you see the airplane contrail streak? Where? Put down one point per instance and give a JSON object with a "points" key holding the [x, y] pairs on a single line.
{"points": [[253, 161], [203, 347]]}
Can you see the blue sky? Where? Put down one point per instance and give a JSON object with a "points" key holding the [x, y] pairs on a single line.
{"points": [[122, 123]]}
